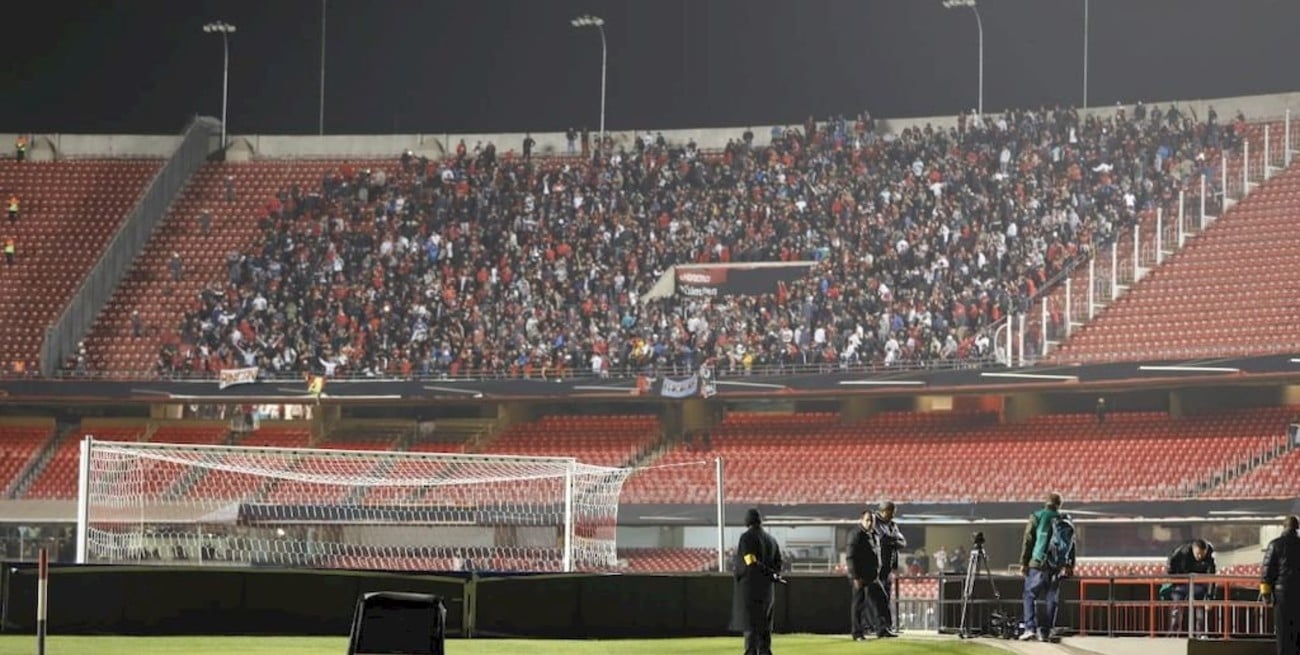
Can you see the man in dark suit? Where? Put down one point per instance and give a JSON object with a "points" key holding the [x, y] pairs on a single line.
{"points": [[863, 561], [757, 566]]}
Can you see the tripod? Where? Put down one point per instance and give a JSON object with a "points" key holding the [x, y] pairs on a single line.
{"points": [[978, 560]]}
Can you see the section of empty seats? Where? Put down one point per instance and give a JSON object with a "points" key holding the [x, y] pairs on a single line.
{"points": [[58, 478], [949, 457], [67, 213], [599, 440], [191, 434], [19, 446], [1193, 305], [278, 437], [217, 214], [668, 560]]}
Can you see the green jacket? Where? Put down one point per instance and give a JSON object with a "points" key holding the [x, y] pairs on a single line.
{"points": [[1037, 536]]}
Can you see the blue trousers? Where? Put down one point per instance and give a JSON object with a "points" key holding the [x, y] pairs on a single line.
{"points": [[1045, 586]]}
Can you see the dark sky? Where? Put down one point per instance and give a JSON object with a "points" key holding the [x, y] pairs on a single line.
{"points": [[145, 66]]}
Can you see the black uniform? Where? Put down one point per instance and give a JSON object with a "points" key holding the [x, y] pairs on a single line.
{"points": [[864, 572], [891, 541], [1282, 578], [757, 560]]}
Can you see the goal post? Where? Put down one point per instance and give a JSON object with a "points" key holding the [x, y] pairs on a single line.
{"points": [[215, 505]]}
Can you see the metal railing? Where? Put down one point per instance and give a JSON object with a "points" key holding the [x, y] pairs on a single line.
{"points": [[99, 284], [1220, 607], [722, 372]]}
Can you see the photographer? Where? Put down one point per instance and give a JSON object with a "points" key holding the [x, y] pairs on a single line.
{"points": [[864, 564], [1193, 557], [757, 567], [891, 541], [1047, 557]]}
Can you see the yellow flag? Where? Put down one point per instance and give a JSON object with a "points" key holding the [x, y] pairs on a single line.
{"points": [[750, 559], [317, 385]]}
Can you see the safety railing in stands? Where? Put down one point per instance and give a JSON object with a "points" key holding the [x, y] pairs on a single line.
{"points": [[721, 372], [1102, 272], [98, 285]]}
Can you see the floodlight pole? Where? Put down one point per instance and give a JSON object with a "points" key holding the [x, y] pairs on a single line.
{"points": [[1085, 53], [225, 30], [598, 23], [979, 25], [320, 125]]}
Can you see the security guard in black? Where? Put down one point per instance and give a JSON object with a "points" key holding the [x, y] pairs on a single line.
{"points": [[1280, 586], [757, 564]]}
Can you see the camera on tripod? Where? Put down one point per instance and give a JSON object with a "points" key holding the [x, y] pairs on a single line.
{"points": [[1000, 624]]}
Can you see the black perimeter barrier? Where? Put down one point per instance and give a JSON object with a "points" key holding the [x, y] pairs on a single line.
{"points": [[147, 600], [185, 601]]}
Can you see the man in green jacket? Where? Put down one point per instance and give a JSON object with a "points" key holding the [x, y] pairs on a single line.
{"points": [[1045, 559]]}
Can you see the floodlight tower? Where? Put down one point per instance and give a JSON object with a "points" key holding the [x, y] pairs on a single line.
{"points": [[225, 30], [979, 24], [587, 20]]}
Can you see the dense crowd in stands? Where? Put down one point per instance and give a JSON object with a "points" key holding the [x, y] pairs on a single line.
{"points": [[505, 265]]}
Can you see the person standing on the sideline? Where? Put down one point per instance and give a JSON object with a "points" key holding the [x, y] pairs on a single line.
{"points": [[757, 564], [891, 541], [863, 561], [1280, 586]]}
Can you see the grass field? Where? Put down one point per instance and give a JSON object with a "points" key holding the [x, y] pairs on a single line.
{"points": [[782, 645]]}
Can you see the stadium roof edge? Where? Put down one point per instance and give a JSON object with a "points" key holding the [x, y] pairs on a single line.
{"points": [[1255, 107]]}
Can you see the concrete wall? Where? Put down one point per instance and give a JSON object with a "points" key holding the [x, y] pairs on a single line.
{"points": [[1258, 107]]}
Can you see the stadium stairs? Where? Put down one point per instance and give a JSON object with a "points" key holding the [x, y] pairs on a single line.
{"points": [[68, 213], [26, 442], [1228, 292], [1149, 243], [149, 288], [1274, 477]]}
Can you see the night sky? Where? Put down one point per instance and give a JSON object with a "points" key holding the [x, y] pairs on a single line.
{"points": [[145, 66]]}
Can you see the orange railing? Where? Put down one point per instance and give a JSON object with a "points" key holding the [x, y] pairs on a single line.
{"points": [[1225, 607]]}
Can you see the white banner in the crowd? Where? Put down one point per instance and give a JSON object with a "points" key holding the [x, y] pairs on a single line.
{"points": [[684, 388], [232, 376], [709, 386]]}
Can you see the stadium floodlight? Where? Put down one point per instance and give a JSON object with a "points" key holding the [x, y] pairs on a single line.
{"points": [[979, 24], [225, 30], [587, 20]]}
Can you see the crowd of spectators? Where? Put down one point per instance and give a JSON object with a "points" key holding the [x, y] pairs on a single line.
{"points": [[506, 265]]}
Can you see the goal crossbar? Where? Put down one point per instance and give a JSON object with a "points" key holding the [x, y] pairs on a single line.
{"points": [[341, 508]]}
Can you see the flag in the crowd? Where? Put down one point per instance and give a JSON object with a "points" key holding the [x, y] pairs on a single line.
{"points": [[316, 385]]}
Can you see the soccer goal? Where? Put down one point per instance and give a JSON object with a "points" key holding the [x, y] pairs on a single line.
{"points": [[146, 503]]}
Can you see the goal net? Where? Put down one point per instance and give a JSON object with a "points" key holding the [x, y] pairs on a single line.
{"points": [[248, 506]]}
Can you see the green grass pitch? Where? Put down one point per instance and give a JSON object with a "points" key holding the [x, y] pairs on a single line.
{"points": [[781, 645]]}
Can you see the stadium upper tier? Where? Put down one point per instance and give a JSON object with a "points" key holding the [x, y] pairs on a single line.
{"points": [[805, 458], [489, 264], [67, 212], [1204, 302]]}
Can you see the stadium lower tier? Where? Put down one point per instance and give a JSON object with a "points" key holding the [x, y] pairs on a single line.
{"points": [[787, 459]]}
